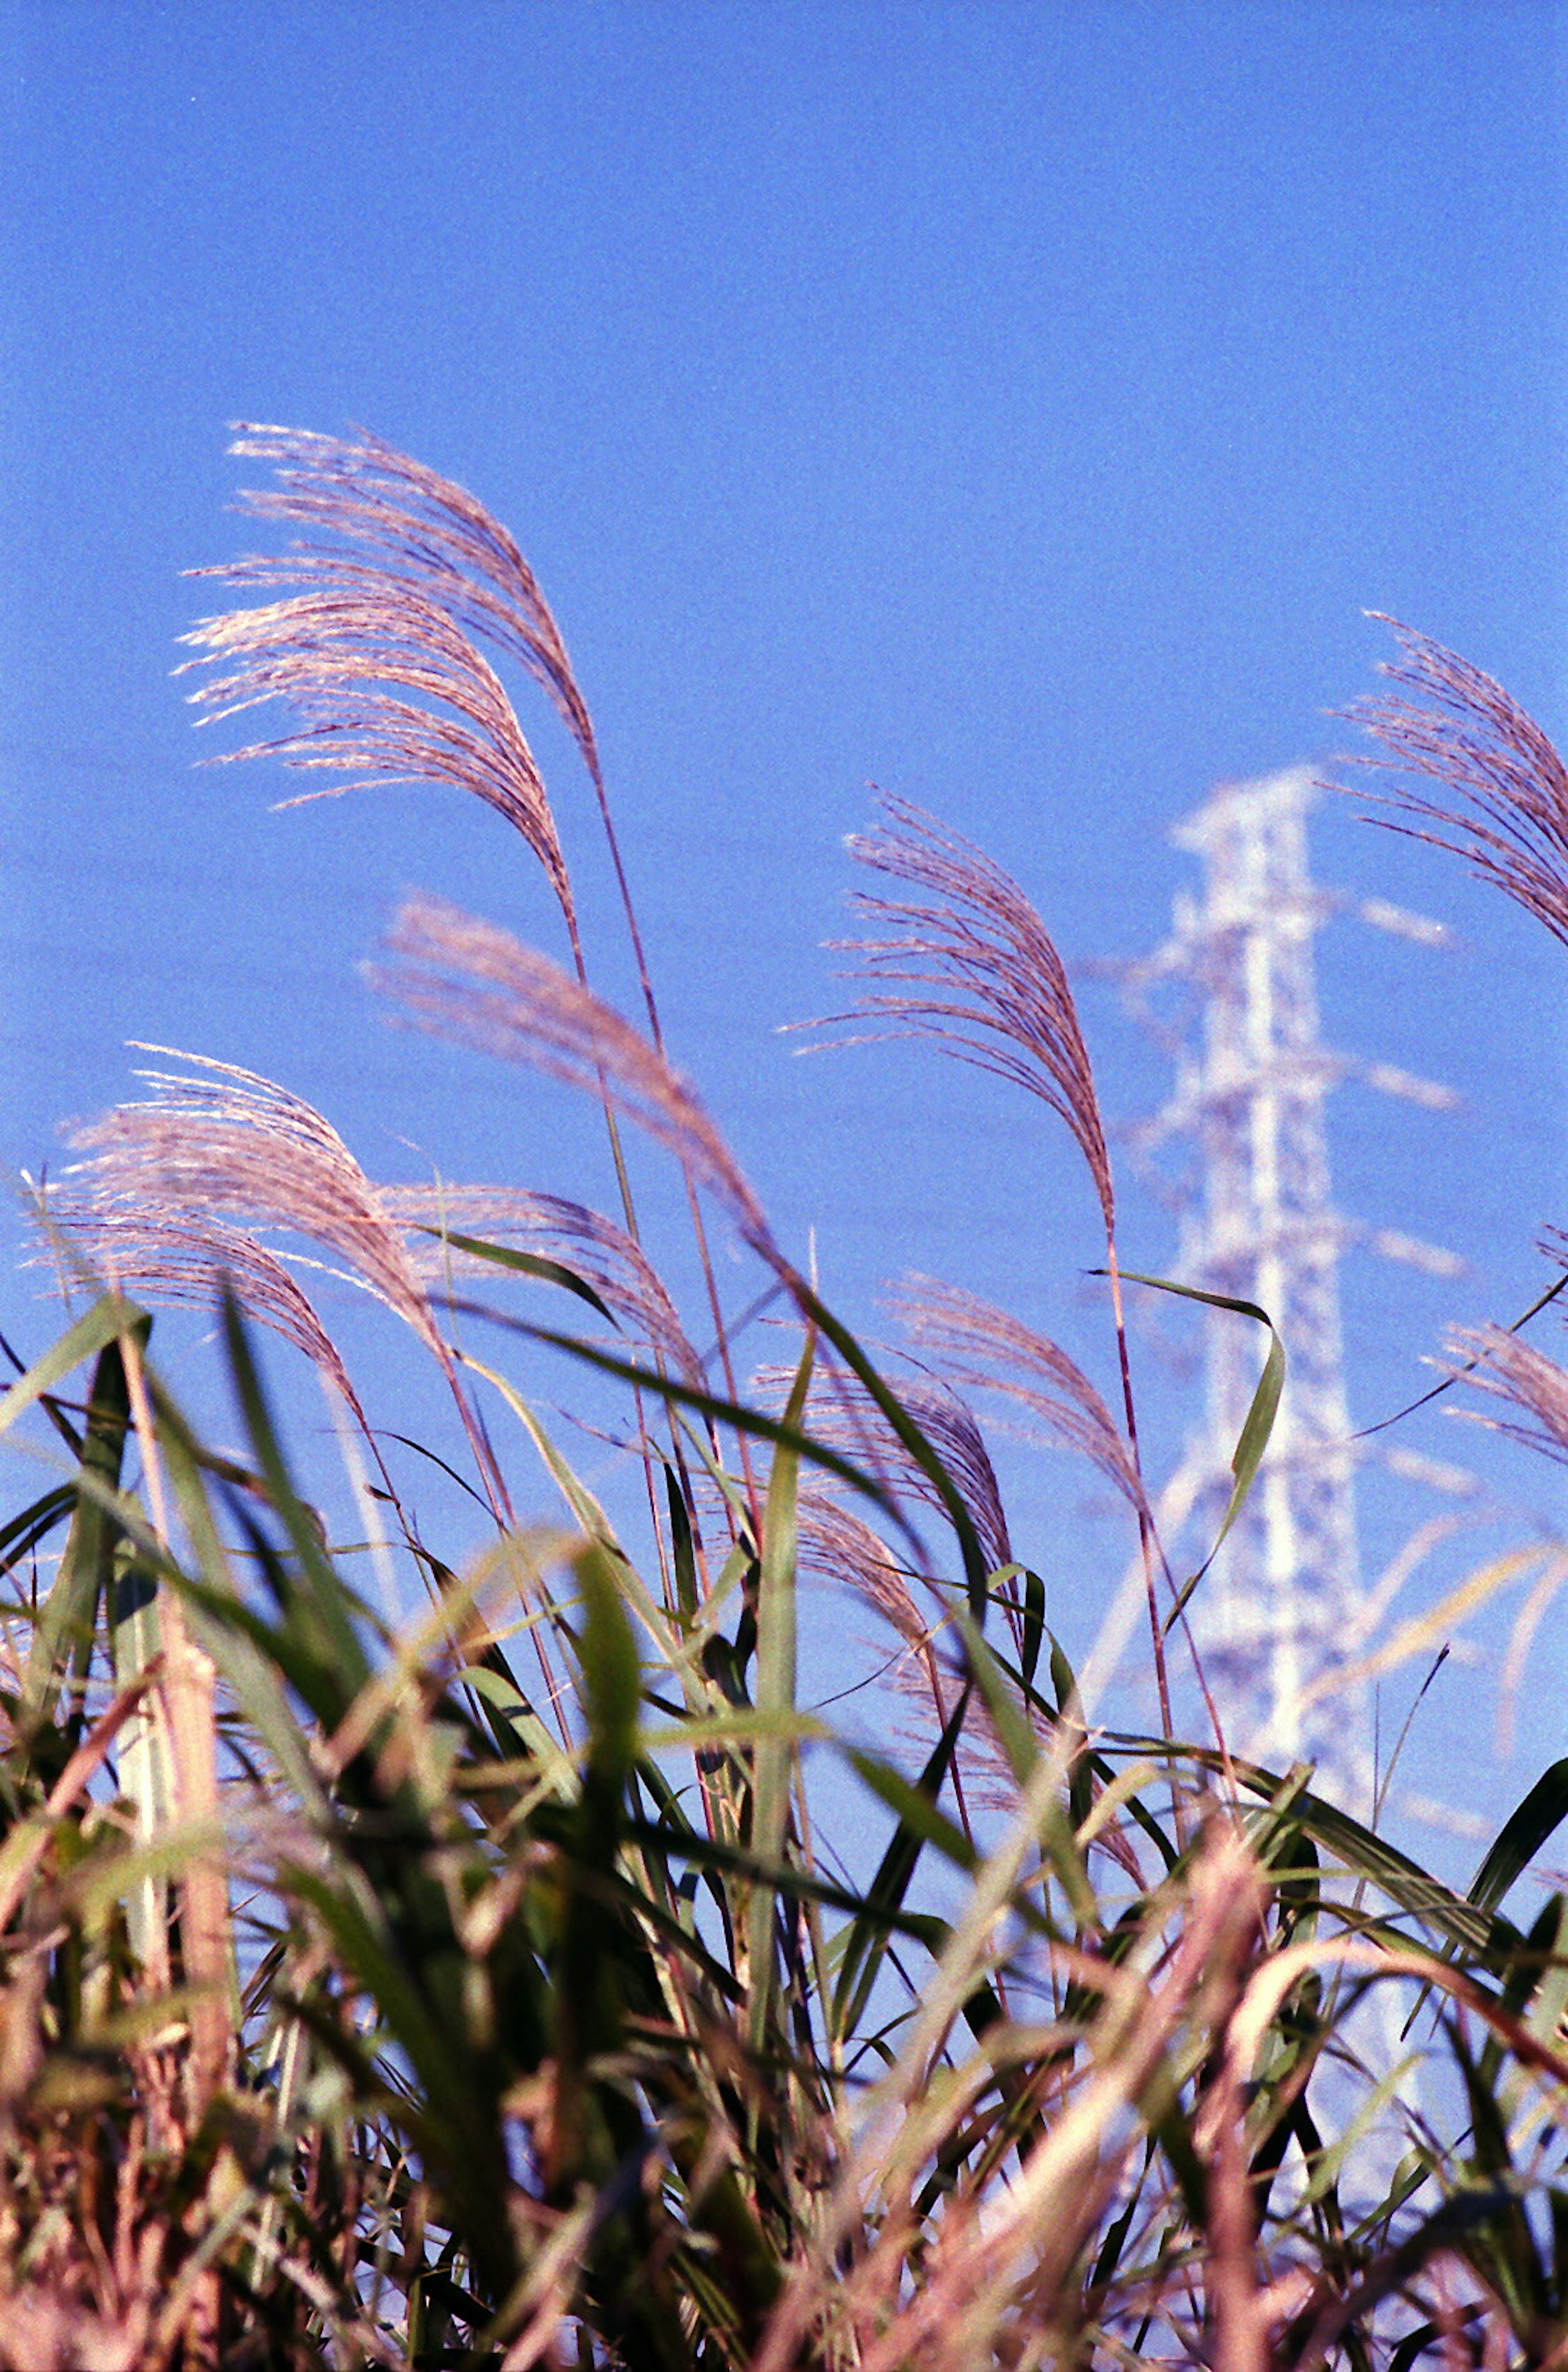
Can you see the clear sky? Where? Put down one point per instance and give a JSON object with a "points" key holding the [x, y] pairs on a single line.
{"points": [[1014, 406]]}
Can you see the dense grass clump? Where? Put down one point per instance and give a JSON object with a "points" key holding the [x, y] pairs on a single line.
{"points": [[490, 1988]]}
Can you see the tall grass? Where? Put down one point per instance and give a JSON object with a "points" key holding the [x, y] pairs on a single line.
{"points": [[494, 1987]]}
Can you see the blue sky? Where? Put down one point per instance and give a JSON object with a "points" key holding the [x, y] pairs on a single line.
{"points": [[1015, 407]]}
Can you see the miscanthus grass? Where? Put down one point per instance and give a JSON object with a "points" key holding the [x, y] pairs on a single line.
{"points": [[492, 1986]]}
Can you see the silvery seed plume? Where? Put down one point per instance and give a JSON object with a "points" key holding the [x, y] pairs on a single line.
{"points": [[1512, 1370], [983, 1348], [842, 1414], [402, 574], [229, 1144], [153, 1252], [970, 964], [226, 1146], [429, 532], [472, 982], [340, 655], [592, 1246], [837, 1548], [1505, 808]]}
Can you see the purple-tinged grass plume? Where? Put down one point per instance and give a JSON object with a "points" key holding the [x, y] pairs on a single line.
{"points": [[472, 982], [1502, 802], [985, 1348], [220, 1158], [970, 964]]}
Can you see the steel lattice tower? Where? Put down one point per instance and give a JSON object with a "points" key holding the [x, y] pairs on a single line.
{"points": [[1277, 1616]]}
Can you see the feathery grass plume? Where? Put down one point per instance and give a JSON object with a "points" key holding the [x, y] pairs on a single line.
{"points": [[330, 653], [431, 531], [472, 982], [592, 1247], [978, 1343], [1503, 1363], [229, 1143], [231, 1146], [169, 1258], [842, 1414], [402, 570], [439, 571], [400, 574], [1507, 809], [839, 1548], [971, 965], [836, 1547]]}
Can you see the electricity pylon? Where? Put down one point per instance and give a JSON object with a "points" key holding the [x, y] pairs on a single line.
{"points": [[1278, 1617]]}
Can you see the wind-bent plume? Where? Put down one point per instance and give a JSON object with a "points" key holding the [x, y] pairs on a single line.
{"points": [[972, 966], [375, 650], [472, 982], [841, 1412], [1512, 1370], [331, 652], [1497, 1360], [214, 1160], [836, 1547], [983, 1348], [601, 1254], [158, 1253], [231, 1145], [1507, 809], [432, 531], [396, 586]]}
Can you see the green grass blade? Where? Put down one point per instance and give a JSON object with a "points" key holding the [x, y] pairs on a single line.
{"points": [[1258, 1425], [62, 1641], [1023, 1752], [1521, 1836], [861, 1959], [103, 1325], [773, 1764], [752, 1421], [22, 1534], [549, 1271], [976, 1570], [318, 1612]]}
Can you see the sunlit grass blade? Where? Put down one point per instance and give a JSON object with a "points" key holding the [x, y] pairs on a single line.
{"points": [[315, 1608], [106, 1320], [736, 1414], [774, 1757], [549, 1271]]}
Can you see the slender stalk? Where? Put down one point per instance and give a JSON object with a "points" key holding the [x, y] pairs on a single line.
{"points": [[644, 978], [1146, 1543]]}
